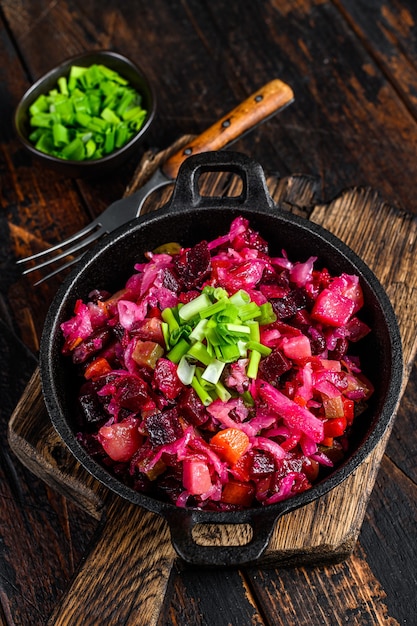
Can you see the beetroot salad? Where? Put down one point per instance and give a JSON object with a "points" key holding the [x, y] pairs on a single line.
{"points": [[220, 377]]}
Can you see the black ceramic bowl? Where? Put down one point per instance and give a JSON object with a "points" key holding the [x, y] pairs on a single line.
{"points": [[77, 169], [189, 218]]}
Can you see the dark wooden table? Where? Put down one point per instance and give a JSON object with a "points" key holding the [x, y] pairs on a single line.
{"points": [[352, 65]]}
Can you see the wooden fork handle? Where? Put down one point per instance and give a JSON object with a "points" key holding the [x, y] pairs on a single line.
{"points": [[261, 105]]}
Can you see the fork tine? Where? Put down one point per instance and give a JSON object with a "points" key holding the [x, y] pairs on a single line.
{"points": [[57, 270], [78, 246], [62, 244]]}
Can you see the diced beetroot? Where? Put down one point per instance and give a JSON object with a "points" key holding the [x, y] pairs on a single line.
{"points": [[165, 379], [192, 408], [248, 238], [163, 427], [187, 296], [241, 470], [193, 265], [284, 308], [274, 365], [171, 280], [121, 440], [91, 444], [147, 353], [340, 349], [262, 464], [196, 476], [92, 409], [297, 348], [310, 468], [332, 308], [271, 291], [132, 393], [317, 340], [91, 346], [301, 319], [357, 329], [246, 275]]}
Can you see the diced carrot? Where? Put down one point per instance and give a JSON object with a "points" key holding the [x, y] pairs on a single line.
{"points": [[230, 444], [327, 441], [97, 368], [235, 492], [300, 400]]}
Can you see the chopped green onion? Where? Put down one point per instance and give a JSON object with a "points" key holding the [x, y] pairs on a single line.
{"points": [[254, 330], [238, 328], [193, 308], [240, 298], [249, 311], [200, 353], [222, 392], [210, 331], [198, 333], [204, 395], [255, 345], [40, 105], [186, 370], [60, 135], [253, 365], [248, 399], [63, 85], [74, 150], [169, 317], [214, 308], [165, 331], [230, 352], [213, 371], [178, 351], [95, 99], [267, 314]]}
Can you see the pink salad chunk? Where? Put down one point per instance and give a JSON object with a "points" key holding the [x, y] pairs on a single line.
{"points": [[220, 377]]}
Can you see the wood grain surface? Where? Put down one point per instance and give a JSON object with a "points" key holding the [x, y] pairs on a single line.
{"points": [[353, 126]]}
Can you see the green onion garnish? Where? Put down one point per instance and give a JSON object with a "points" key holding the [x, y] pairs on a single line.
{"points": [[87, 115], [211, 330]]}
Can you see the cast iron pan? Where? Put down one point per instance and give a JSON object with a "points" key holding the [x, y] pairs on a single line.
{"points": [[188, 218]]}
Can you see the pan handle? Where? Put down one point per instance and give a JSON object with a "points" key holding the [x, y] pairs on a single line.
{"points": [[183, 521], [186, 192]]}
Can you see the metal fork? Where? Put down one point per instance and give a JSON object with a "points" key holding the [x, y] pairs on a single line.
{"points": [[119, 212]]}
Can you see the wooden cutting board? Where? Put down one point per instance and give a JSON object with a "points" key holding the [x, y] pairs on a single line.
{"points": [[134, 551]]}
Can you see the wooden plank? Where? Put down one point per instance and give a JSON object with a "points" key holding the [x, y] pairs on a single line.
{"points": [[386, 30]]}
